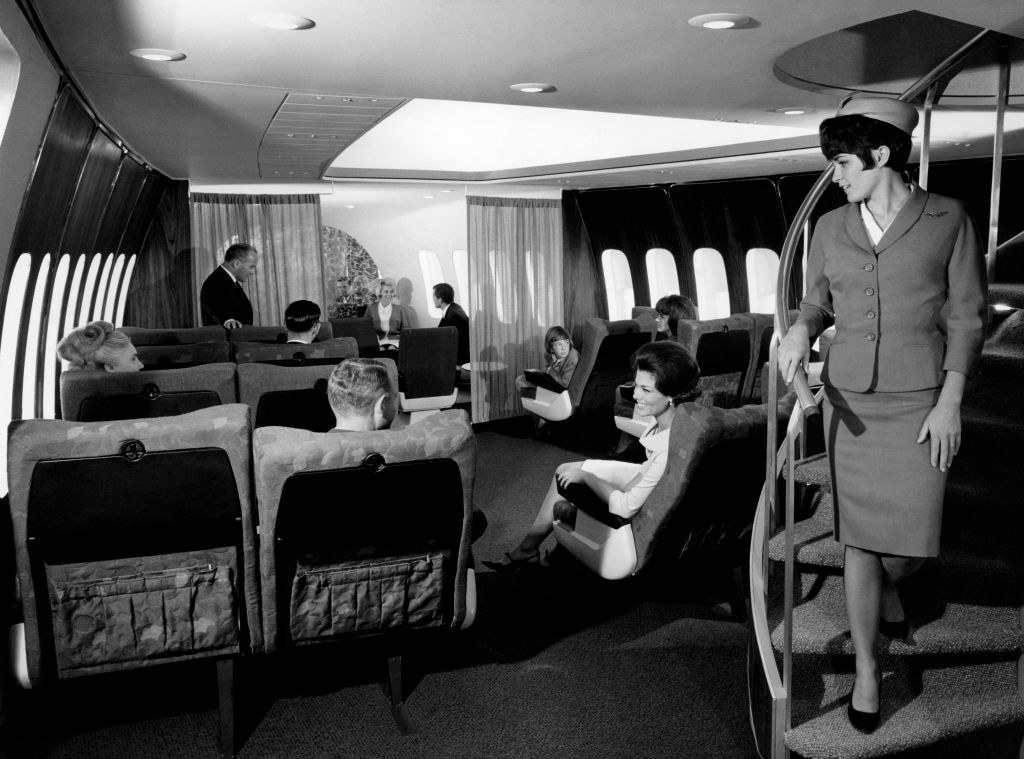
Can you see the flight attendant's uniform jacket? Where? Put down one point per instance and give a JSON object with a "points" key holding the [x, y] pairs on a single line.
{"points": [[910, 309]]}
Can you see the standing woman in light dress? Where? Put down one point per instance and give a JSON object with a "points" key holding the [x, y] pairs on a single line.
{"points": [[899, 272]]}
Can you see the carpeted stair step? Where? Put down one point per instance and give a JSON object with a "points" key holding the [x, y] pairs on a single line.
{"points": [[954, 702], [1008, 293], [980, 561], [820, 625]]}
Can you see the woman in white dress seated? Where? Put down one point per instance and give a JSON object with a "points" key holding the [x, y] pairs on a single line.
{"points": [[666, 375]]}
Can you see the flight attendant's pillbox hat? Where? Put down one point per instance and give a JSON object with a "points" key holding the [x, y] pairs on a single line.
{"points": [[901, 115]]}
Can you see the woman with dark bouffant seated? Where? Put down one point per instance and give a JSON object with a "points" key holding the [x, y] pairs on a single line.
{"points": [[666, 375], [672, 308], [98, 345]]}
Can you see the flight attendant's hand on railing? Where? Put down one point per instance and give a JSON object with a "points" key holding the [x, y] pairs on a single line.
{"points": [[794, 353]]}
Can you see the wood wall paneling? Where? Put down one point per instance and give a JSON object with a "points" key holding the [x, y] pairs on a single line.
{"points": [[130, 180], [92, 195]]}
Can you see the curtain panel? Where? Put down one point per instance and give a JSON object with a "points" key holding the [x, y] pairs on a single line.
{"points": [[285, 229], [515, 273], [586, 296]]}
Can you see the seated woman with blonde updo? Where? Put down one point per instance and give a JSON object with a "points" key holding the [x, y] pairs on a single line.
{"points": [[98, 345]]}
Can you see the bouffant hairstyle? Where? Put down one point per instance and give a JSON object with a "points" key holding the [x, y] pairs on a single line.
{"points": [[675, 307], [553, 335], [445, 292], [93, 346], [858, 135], [675, 371], [301, 316], [356, 384]]}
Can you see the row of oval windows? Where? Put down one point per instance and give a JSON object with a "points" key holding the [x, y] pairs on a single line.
{"points": [[762, 265]]}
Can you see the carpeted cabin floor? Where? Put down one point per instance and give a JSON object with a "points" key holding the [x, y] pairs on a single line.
{"points": [[558, 664]]}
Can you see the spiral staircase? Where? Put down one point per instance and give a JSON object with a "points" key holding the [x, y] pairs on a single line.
{"points": [[953, 689]]}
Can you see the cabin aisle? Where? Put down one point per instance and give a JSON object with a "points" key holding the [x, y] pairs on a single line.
{"points": [[559, 663]]}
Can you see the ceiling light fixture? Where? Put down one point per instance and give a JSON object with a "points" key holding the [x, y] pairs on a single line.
{"points": [[720, 21], [429, 197], [793, 110], [349, 205], [533, 88], [157, 54], [284, 21]]}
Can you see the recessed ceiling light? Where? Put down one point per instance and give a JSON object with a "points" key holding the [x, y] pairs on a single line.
{"points": [[285, 21], [445, 190], [429, 197], [720, 21], [793, 110], [533, 88], [349, 205], [157, 54]]}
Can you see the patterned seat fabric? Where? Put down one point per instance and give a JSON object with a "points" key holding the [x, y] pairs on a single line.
{"points": [[279, 453], [170, 575], [78, 388], [179, 356], [326, 352], [257, 334]]}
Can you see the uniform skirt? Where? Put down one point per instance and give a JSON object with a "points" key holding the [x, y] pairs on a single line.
{"points": [[886, 494]]}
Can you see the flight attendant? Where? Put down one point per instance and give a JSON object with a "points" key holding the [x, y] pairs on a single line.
{"points": [[222, 300], [899, 273]]}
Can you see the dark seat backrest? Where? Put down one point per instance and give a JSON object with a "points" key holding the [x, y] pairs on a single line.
{"points": [[362, 329], [184, 336], [297, 354], [422, 510], [305, 409], [705, 501], [97, 395], [125, 507], [426, 361], [178, 356], [723, 358], [604, 362], [256, 334]]}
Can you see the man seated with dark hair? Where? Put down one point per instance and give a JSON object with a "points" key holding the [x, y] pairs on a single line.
{"points": [[363, 400], [452, 315], [302, 320]]}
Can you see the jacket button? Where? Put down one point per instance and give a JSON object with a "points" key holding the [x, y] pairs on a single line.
{"points": [[870, 314], [869, 291], [869, 267], [869, 337]]}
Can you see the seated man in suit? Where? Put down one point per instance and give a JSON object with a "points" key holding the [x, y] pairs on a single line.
{"points": [[452, 315], [363, 400], [302, 320], [222, 300], [389, 318]]}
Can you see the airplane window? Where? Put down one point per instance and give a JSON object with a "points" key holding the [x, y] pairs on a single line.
{"points": [[101, 288], [430, 268], [461, 261], [662, 275], [712, 286], [122, 297], [762, 273], [73, 295], [30, 358], [89, 290], [10, 68], [618, 284], [8, 348], [110, 301], [52, 335]]}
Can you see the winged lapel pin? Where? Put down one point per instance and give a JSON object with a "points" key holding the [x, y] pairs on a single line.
{"points": [[936, 214]]}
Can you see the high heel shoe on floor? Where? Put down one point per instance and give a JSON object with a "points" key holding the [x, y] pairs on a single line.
{"points": [[895, 630], [865, 722]]}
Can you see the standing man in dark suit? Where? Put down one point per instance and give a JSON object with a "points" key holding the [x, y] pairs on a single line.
{"points": [[222, 300], [453, 316]]}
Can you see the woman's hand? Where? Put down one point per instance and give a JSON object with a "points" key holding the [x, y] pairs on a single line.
{"points": [[568, 473], [942, 428], [794, 351]]}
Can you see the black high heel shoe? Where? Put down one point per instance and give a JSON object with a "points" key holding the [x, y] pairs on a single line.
{"points": [[865, 722], [895, 630]]}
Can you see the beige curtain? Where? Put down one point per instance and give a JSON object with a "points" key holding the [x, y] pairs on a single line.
{"points": [[285, 229], [515, 274]]}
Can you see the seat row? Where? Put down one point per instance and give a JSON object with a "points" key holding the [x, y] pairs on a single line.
{"points": [[148, 541]]}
